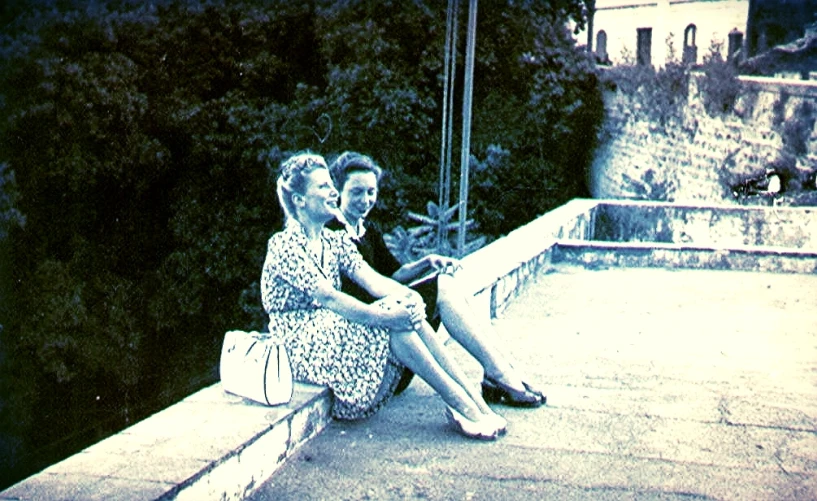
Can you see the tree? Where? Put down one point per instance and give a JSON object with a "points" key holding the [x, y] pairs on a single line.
{"points": [[537, 114], [139, 162], [138, 146], [535, 93]]}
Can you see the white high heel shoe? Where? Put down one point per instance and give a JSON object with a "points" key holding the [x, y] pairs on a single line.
{"points": [[500, 422], [484, 429]]}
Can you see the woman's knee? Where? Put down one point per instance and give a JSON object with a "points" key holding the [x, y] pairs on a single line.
{"points": [[450, 292]]}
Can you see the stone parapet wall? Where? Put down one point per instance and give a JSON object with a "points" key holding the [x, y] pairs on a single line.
{"points": [[595, 255], [699, 157], [640, 234], [498, 272], [720, 226], [210, 446]]}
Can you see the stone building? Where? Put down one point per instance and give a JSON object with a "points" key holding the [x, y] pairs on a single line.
{"points": [[645, 31], [651, 32]]}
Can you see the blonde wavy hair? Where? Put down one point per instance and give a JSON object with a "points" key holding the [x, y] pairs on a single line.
{"points": [[292, 178]]}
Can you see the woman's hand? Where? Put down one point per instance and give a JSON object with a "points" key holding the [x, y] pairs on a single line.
{"points": [[402, 312], [443, 264], [399, 319], [417, 309], [403, 318], [414, 297]]}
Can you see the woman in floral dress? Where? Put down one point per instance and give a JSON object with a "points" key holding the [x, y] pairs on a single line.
{"points": [[356, 349]]}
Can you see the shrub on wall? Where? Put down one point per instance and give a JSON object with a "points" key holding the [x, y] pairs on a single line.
{"points": [[657, 96], [719, 88], [798, 129]]}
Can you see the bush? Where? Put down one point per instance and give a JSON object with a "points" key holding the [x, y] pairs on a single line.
{"points": [[652, 95], [720, 86]]}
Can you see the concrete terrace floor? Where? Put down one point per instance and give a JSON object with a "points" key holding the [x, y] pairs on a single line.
{"points": [[662, 384]]}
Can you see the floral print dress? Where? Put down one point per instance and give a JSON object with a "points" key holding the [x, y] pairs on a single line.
{"points": [[324, 348]]}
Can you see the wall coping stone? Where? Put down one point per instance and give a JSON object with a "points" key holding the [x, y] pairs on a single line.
{"points": [[489, 264], [773, 84], [210, 445]]}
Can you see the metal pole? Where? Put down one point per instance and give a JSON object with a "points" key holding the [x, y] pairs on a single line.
{"points": [[447, 129], [465, 155], [591, 13], [452, 73]]}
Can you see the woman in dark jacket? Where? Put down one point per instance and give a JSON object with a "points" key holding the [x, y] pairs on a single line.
{"points": [[357, 177]]}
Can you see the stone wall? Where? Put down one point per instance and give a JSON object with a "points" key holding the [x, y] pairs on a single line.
{"points": [[641, 233], [498, 272], [699, 158], [711, 226]]}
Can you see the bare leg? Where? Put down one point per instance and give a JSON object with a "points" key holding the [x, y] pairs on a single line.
{"points": [[441, 354], [474, 333], [410, 349]]}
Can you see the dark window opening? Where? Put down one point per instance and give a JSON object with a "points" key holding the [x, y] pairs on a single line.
{"points": [[690, 49], [601, 47], [644, 54]]}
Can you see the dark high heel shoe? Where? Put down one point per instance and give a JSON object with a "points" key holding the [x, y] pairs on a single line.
{"points": [[536, 392], [495, 392], [484, 429]]}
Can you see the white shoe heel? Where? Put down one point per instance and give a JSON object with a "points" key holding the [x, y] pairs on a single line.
{"points": [[500, 423], [484, 429]]}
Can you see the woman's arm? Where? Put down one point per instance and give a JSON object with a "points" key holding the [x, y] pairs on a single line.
{"points": [[409, 271], [369, 278], [431, 262], [357, 311], [376, 284]]}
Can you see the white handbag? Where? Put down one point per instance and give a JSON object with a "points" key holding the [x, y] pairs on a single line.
{"points": [[256, 366]]}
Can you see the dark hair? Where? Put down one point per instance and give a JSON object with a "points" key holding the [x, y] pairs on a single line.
{"points": [[292, 178], [349, 162]]}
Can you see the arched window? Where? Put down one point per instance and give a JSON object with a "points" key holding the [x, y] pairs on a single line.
{"points": [[689, 35], [601, 47], [690, 49]]}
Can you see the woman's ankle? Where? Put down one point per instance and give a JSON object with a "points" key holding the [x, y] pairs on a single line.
{"points": [[508, 378], [470, 411]]}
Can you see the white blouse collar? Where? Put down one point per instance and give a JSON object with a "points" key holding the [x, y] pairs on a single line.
{"points": [[354, 232]]}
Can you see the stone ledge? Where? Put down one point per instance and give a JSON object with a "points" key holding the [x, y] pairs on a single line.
{"points": [[490, 265], [211, 445], [678, 256]]}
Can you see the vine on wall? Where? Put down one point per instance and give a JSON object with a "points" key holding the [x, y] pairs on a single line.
{"points": [[660, 96], [698, 137], [719, 88]]}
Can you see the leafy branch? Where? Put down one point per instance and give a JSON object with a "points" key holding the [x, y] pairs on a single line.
{"points": [[417, 241]]}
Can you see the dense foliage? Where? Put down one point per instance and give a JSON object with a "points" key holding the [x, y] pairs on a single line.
{"points": [[137, 159], [659, 95]]}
